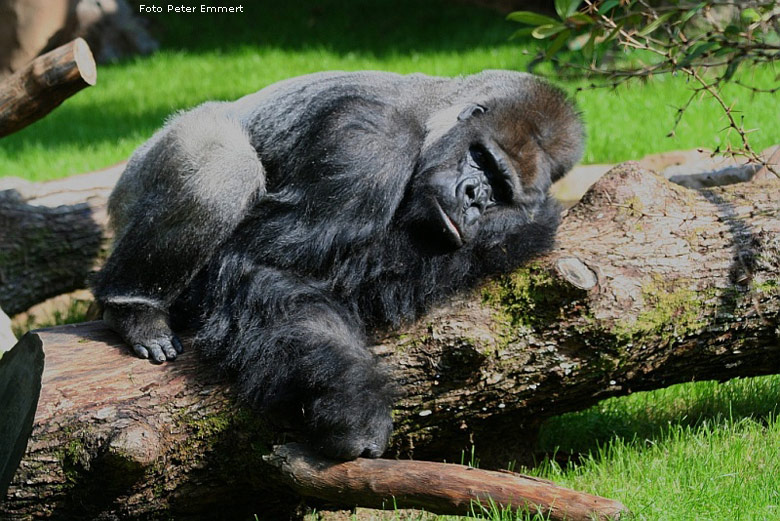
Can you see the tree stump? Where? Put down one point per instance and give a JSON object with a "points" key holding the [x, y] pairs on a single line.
{"points": [[651, 284]]}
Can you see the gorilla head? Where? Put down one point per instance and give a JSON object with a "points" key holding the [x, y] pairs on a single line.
{"points": [[493, 162]]}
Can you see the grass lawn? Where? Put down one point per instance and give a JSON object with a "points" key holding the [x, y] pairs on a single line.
{"points": [[225, 56], [698, 451]]}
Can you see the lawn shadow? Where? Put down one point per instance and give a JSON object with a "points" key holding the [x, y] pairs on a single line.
{"points": [[378, 27]]}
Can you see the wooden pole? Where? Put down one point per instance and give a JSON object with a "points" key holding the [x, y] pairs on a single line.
{"points": [[44, 84]]}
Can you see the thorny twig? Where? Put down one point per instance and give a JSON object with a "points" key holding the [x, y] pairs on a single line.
{"points": [[678, 43]]}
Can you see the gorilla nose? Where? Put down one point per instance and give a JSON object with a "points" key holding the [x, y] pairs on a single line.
{"points": [[474, 194]]}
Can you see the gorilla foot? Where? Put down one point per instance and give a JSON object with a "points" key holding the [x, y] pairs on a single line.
{"points": [[145, 329], [160, 349]]}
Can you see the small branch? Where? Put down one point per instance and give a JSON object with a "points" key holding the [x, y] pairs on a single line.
{"points": [[44, 84], [442, 488], [747, 150]]}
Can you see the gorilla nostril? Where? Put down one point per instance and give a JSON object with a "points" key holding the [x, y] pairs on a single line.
{"points": [[469, 190]]}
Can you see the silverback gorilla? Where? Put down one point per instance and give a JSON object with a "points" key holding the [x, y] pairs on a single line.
{"points": [[282, 225]]}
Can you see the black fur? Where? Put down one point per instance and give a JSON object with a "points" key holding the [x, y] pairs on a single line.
{"points": [[287, 222]]}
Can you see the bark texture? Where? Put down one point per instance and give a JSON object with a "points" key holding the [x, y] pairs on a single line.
{"points": [[651, 284], [44, 84], [443, 488], [51, 235]]}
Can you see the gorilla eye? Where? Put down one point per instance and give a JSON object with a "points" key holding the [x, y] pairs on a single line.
{"points": [[495, 172], [477, 158]]}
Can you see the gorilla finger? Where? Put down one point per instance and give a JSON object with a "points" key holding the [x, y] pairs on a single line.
{"points": [[140, 351], [156, 353], [167, 347], [177, 344]]}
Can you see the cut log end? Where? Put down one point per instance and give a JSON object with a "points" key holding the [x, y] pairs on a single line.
{"points": [[576, 272], [85, 62], [44, 84]]}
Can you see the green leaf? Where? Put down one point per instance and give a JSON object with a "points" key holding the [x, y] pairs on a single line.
{"points": [[606, 6], [580, 18], [655, 24], [587, 49], [559, 41], [723, 51], [612, 35], [697, 51], [520, 33], [566, 8], [749, 16], [527, 17], [692, 11], [731, 69], [545, 31]]}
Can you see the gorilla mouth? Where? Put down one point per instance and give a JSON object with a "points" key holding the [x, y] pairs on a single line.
{"points": [[449, 225]]}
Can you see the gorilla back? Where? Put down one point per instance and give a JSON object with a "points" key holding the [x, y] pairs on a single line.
{"points": [[284, 223]]}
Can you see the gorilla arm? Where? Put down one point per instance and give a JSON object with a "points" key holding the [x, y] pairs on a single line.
{"points": [[297, 352], [181, 195]]}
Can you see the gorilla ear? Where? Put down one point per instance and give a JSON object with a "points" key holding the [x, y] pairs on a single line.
{"points": [[470, 110]]}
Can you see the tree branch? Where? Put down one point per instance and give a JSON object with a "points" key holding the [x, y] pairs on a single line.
{"points": [[44, 84]]}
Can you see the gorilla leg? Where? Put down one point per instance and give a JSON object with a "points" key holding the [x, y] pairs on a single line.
{"points": [[181, 195], [299, 355]]}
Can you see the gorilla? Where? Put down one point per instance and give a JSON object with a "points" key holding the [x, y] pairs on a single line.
{"points": [[281, 227]]}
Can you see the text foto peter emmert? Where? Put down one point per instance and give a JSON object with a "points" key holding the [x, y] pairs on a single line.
{"points": [[171, 8]]}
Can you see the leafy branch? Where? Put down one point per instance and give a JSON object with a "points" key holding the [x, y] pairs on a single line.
{"points": [[618, 40]]}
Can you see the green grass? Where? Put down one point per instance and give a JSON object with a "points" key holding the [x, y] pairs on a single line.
{"points": [[697, 451], [225, 56]]}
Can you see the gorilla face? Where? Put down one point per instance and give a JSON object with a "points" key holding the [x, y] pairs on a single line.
{"points": [[492, 161], [482, 180]]}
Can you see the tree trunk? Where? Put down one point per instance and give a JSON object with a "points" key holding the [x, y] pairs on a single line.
{"points": [[44, 84], [51, 235], [651, 284]]}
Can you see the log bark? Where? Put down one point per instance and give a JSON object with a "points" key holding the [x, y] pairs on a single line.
{"points": [[443, 488], [52, 235], [44, 84], [651, 284]]}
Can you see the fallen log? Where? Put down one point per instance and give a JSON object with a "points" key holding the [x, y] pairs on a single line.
{"points": [[41, 86], [130, 433], [651, 284], [52, 235]]}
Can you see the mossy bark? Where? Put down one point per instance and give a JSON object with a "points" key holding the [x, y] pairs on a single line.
{"points": [[674, 285], [651, 284]]}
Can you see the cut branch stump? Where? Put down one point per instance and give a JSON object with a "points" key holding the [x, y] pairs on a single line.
{"points": [[44, 84]]}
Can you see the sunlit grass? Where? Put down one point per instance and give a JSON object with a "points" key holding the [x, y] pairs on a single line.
{"points": [[209, 57]]}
